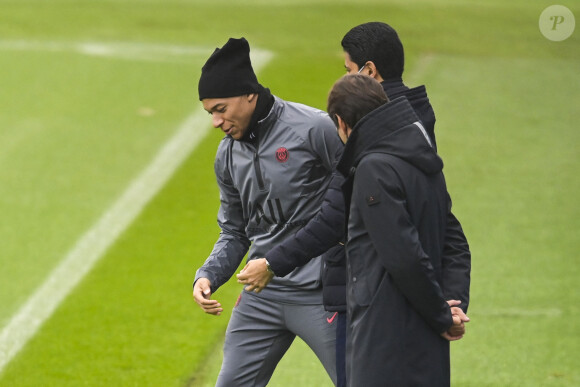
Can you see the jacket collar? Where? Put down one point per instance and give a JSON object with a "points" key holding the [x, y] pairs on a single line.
{"points": [[394, 129], [399, 112], [261, 112]]}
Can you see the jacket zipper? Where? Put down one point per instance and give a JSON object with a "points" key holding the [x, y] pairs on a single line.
{"points": [[258, 171]]}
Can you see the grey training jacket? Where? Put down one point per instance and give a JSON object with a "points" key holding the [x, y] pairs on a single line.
{"points": [[271, 190]]}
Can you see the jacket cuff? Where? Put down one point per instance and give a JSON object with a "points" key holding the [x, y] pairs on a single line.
{"points": [[278, 263], [444, 324], [206, 274]]}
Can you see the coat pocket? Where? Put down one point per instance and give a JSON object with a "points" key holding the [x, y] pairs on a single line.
{"points": [[364, 275]]}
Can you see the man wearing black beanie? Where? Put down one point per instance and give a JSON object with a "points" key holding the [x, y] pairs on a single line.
{"points": [[273, 168], [228, 72]]}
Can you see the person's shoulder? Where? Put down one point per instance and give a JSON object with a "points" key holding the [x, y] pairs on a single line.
{"points": [[224, 147], [297, 109], [305, 121], [377, 161], [225, 143]]}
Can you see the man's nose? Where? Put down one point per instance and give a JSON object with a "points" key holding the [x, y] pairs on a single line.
{"points": [[217, 120]]}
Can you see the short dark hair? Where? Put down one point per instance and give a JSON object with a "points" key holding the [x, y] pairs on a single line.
{"points": [[354, 96], [379, 43]]}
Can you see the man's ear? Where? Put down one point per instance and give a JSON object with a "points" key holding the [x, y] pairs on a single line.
{"points": [[341, 124], [344, 130], [372, 71], [251, 97]]}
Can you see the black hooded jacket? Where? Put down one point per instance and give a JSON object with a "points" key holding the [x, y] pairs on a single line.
{"points": [[397, 207]]}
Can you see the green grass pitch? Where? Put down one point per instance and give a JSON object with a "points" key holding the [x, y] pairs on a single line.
{"points": [[90, 90]]}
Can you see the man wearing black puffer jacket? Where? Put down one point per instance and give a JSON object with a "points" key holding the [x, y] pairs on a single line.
{"points": [[374, 49], [370, 49]]}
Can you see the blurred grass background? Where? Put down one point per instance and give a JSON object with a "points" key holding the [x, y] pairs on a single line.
{"points": [[76, 128]]}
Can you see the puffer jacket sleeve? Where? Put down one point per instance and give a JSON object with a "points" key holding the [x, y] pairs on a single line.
{"points": [[323, 232], [232, 244], [396, 240]]}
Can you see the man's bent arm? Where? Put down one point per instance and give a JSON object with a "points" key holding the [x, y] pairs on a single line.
{"points": [[396, 240], [232, 244], [456, 262]]}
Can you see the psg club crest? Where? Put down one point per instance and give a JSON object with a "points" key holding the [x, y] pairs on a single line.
{"points": [[282, 155]]}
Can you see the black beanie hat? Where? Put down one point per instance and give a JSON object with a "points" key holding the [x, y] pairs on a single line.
{"points": [[228, 72]]}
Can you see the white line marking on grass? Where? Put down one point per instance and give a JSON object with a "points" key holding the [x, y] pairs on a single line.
{"points": [[92, 245], [420, 68], [117, 50], [519, 312]]}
